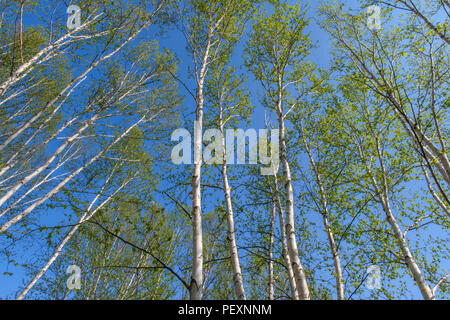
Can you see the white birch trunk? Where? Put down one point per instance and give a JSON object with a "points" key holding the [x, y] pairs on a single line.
{"points": [[85, 217], [231, 237], [299, 272], [29, 209], [327, 226], [271, 241], [45, 165], [196, 285], [73, 83], [413, 267], [383, 198], [284, 245]]}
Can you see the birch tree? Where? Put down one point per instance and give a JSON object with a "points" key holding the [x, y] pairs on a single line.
{"points": [[275, 54], [232, 104], [211, 30], [111, 268], [375, 149], [407, 66], [112, 98], [325, 171]]}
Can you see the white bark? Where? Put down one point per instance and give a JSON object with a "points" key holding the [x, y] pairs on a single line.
{"points": [[11, 191], [284, 245], [433, 193], [196, 285], [327, 226], [299, 272], [72, 84], [336, 259], [271, 242], [89, 213], [444, 279], [44, 180], [231, 237], [43, 55], [9, 164], [432, 153], [197, 252], [14, 189], [409, 5], [383, 197], [413, 267], [56, 189]]}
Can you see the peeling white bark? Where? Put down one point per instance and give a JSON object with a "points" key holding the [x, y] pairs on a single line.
{"points": [[327, 226], [285, 251], [89, 213], [271, 241], [299, 272], [231, 237], [56, 189], [383, 197]]}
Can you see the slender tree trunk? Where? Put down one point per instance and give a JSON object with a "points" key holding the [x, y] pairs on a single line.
{"points": [[413, 267], [235, 264], [196, 285], [21, 31], [438, 158], [336, 259], [435, 29], [85, 217], [433, 193], [44, 166], [49, 194], [429, 151], [231, 237], [135, 276], [299, 272], [50, 51], [327, 226], [383, 198], [271, 241], [197, 252], [62, 93], [285, 251]]}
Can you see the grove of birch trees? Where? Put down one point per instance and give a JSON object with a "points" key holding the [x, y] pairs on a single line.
{"points": [[93, 205]]}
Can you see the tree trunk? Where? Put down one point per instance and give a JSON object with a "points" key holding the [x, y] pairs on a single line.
{"points": [[327, 226], [197, 250], [285, 251], [383, 198], [300, 276], [413, 267], [271, 241], [56, 189], [196, 285], [235, 264], [85, 217]]}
